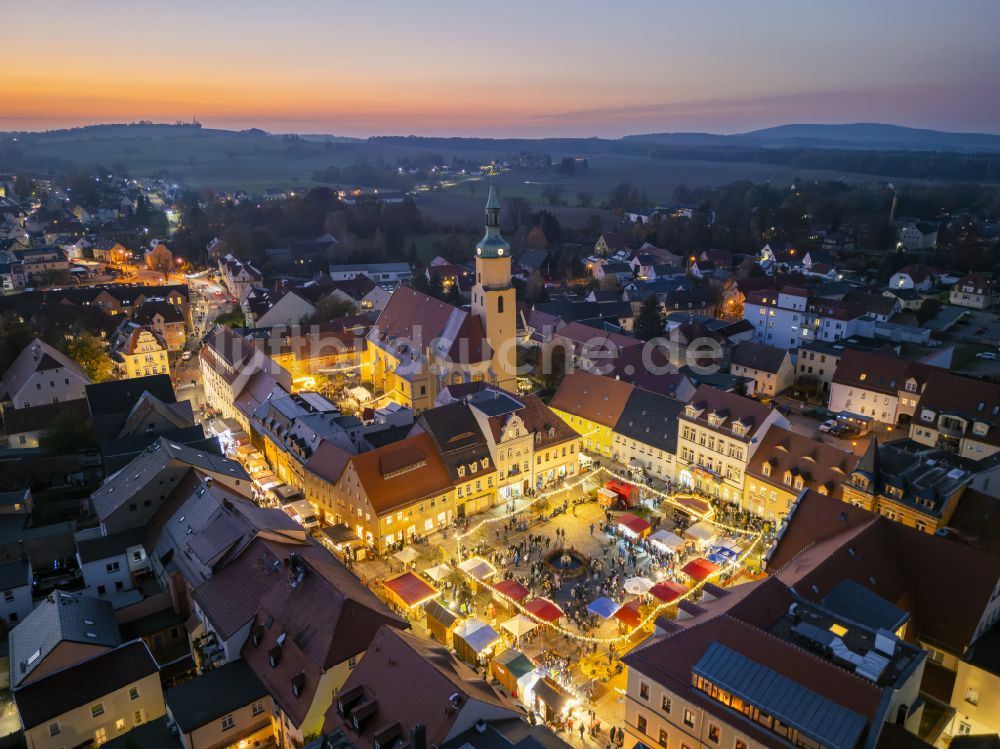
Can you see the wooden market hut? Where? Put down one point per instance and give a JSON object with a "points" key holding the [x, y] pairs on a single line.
{"points": [[510, 666], [441, 622]]}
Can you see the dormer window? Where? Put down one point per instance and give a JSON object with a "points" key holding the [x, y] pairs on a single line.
{"points": [[798, 482], [461, 470], [766, 469], [486, 463], [298, 683], [863, 377], [739, 430], [980, 428], [788, 478]]}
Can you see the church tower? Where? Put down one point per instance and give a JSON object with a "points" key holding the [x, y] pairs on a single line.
{"points": [[493, 299]]}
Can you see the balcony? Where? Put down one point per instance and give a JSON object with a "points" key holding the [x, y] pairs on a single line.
{"points": [[951, 429]]}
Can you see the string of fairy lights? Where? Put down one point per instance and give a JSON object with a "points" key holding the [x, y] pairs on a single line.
{"points": [[755, 538]]}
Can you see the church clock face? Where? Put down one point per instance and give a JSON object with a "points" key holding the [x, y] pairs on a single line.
{"points": [[500, 251], [479, 250]]}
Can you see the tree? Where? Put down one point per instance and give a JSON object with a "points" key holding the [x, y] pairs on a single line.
{"points": [[68, 433], [233, 318], [87, 351], [552, 193], [330, 308], [929, 309], [650, 321], [160, 260], [536, 238]]}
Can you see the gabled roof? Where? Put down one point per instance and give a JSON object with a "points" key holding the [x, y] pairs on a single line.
{"points": [[457, 436], [213, 695], [84, 683], [971, 399], [385, 678], [322, 615], [758, 356], [730, 407], [880, 372], [145, 313], [817, 463], [651, 419], [60, 617], [37, 356], [592, 397], [402, 472], [826, 541]]}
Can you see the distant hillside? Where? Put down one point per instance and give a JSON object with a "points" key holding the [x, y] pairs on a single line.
{"points": [[863, 136]]}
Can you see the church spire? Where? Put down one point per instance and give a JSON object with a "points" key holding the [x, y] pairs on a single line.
{"points": [[493, 244]]}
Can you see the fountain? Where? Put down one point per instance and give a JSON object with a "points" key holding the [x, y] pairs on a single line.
{"points": [[567, 563]]}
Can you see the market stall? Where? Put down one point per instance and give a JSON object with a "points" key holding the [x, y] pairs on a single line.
{"points": [[474, 641], [666, 541], [603, 607], [700, 569], [409, 590], [551, 702], [519, 625], [702, 534], [441, 621], [510, 666], [544, 610], [479, 570], [628, 615], [668, 591], [507, 593], [632, 526], [638, 586]]}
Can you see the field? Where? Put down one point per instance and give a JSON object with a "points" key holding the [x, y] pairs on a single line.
{"points": [[254, 161]]}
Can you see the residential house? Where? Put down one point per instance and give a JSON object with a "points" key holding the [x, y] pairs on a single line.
{"points": [[226, 706], [974, 290], [40, 375], [784, 464], [236, 376], [769, 367], [958, 415], [719, 433], [309, 634], [755, 666], [378, 706], [111, 563], [41, 262], [402, 489], [592, 405], [916, 277], [826, 543], [916, 237], [26, 428], [882, 387], [16, 587], [384, 274], [645, 435], [88, 702], [110, 251], [789, 317], [139, 351], [164, 319], [309, 350], [907, 482], [239, 276], [817, 362]]}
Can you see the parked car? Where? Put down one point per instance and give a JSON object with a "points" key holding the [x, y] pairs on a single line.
{"points": [[828, 426], [186, 356], [841, 430], [987, 355]]}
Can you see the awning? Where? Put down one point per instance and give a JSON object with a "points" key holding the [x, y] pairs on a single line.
{"points": [[410, 589], [406, 555], [667, 540], [543, 609], [629, 613], [511, 589], [701, 532], [478, 568], [519, 625], [700, 569], [339, 534], [603, 607], [438, 572], [698, 506], [668, 591], [638, 586], [633, 524]]}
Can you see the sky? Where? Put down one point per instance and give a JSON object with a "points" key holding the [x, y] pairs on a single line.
{"points": [[503, 68]]}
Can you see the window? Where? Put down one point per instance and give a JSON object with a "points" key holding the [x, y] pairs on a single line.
{"points": [[100, 736], [643, 691], [640, 723], [8, 596], [257, 708], [120, 724], [662, 738], [972, 696], [133, 693], [665, 704], [137, 717], [228, 722], [688, 718], [96, 711], [54, 729], [714, 733], [740, 744]]}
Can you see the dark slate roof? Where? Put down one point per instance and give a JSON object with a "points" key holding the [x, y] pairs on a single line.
{"points": [[533, 259], [83, 683], [110, 402], [60, 617], [858, 604], [758, 356], [817, 716], [102, 547], [213, 695], [650, 418]]}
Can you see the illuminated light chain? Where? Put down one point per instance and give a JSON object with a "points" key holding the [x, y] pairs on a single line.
{"points": [[652, 616]]}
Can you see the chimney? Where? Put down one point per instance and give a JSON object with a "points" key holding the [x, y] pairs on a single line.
{"points": [[418, 737]]}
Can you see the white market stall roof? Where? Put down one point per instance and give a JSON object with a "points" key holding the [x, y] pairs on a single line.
{"points": [[667, 540]]}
